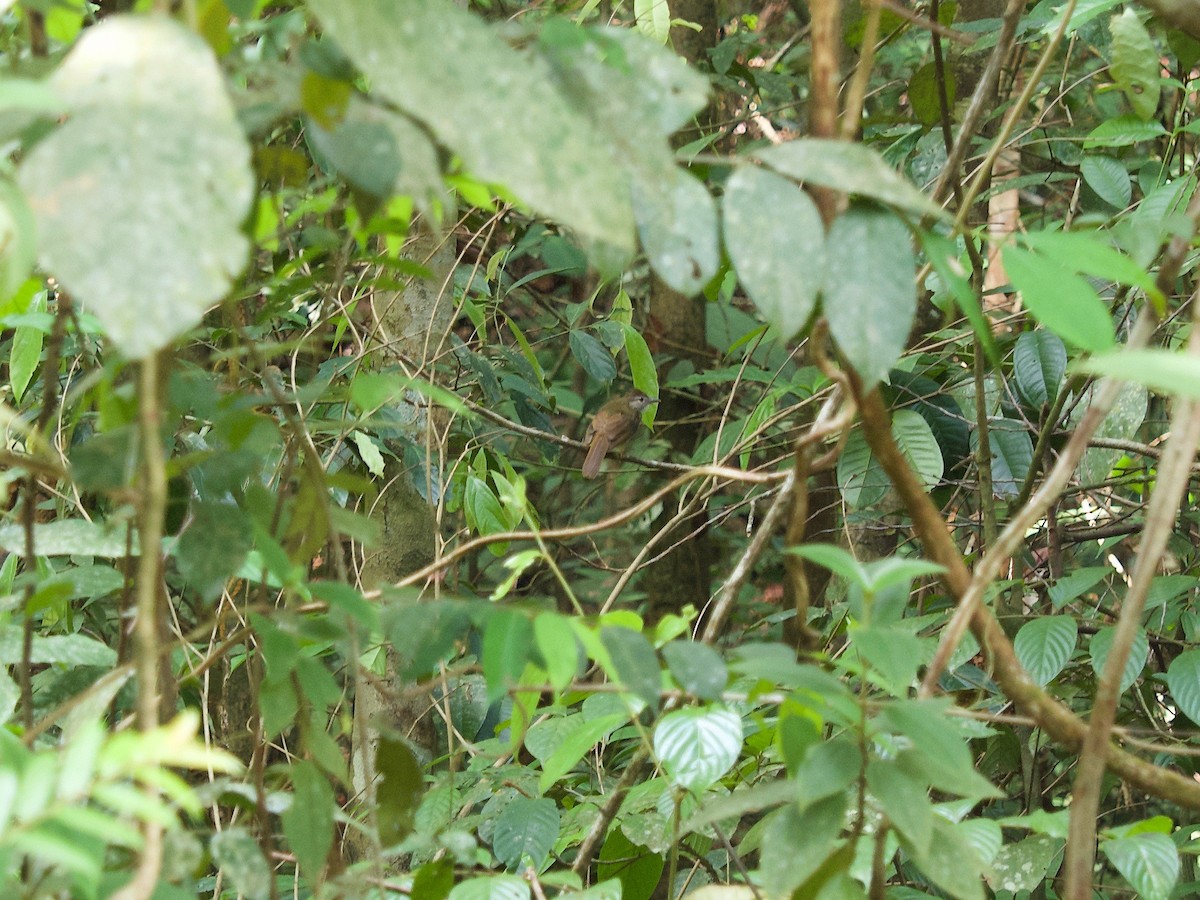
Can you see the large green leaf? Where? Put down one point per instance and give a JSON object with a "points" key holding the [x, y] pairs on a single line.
{"points": [[1059, 299], [308, 822], [1039, 363], [777, 243], [697, 667], [1012, 455], [698, 745], [861, 477], [237, 855], [949, 861], [905, 800], [1183, 678], [636, 666], [1149, 862], [493, 887], [1135, 64], [1023, 866], [1108, 178], [554, 159], [525, 831], [140, 195], [870, 297], [1044, 646], [797, 841], [1123, 420], [677, 222], [854, 168], [1163, 371], [1101, 644]]}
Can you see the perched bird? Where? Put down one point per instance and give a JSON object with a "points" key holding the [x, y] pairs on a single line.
{"points": [[614, 423]]}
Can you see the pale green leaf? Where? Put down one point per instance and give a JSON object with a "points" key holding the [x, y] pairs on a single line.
{"points": [[1101, 644], [1149, 862], [677, 222], [1059, 299], [775, 238], [869, 296], [1135, 64], [1044, 646], [556, 160], [152, 158], [696, 746]]}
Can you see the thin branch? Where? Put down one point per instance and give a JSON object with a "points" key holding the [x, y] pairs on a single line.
{"points": [[1173, 474], [1063, 726]]}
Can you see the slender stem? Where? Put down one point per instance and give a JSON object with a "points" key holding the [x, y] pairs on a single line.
{"points": [[152, 516]]}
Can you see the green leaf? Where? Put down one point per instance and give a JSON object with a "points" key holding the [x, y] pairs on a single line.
{"points": [[870, 298], [556, 643], [1108, 178], [677, 222], [398, 793], [939, 752], [1072, 584], [434, 880], [171, 216], [214, 546], [892, 654], [923, 94], [697, 745], [776, 241], [1163, 371], [1024, 865], [1135, 64], [584, 735], [1123, 420], [239, 859], [71, 537], [26, 350], [904, 799], [944, 258], [1123, 131], [862, 480], [592, 355], [507, 643], [557, 162], [641, 362], [797, 841], [636, 666], [1091, 254], [1183, 678], [1059, 299], [1012, 455], [525, 832], [308, 822], [984, 836], [949, 861], [64, 649], [1039, 364], [828, 769], [697, 667], [833, 558], [1149, 862], [1044, 646], [638, 869], [1101, 644], [653, 19], [492, 887], [854, 168]]}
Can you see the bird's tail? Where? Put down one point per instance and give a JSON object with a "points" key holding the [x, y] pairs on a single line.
{"points": [[595, 456]]}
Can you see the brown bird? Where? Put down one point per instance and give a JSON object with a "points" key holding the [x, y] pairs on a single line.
{"points": [[614, 423]]}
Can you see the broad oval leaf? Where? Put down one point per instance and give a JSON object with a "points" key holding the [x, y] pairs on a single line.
{"points": [[240, 860], [1044, 646], [854, 168], [1135, 66], [696, 746], [777, 243], [1123, 131], [870, 297], [1108, 178], [636, 666], [493, 887], [1022, 866], [1012, 455], [556, 160], [1183, 678], [861, 477], [525, 832], [1039, 363], [697, 667], [677, 222], [1101, 644], [1059, 299], [1123, 420], [139, 196], [1149, 862]]}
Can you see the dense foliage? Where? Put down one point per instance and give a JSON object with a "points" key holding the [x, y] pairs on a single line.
{"points": [[305, 307]]}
